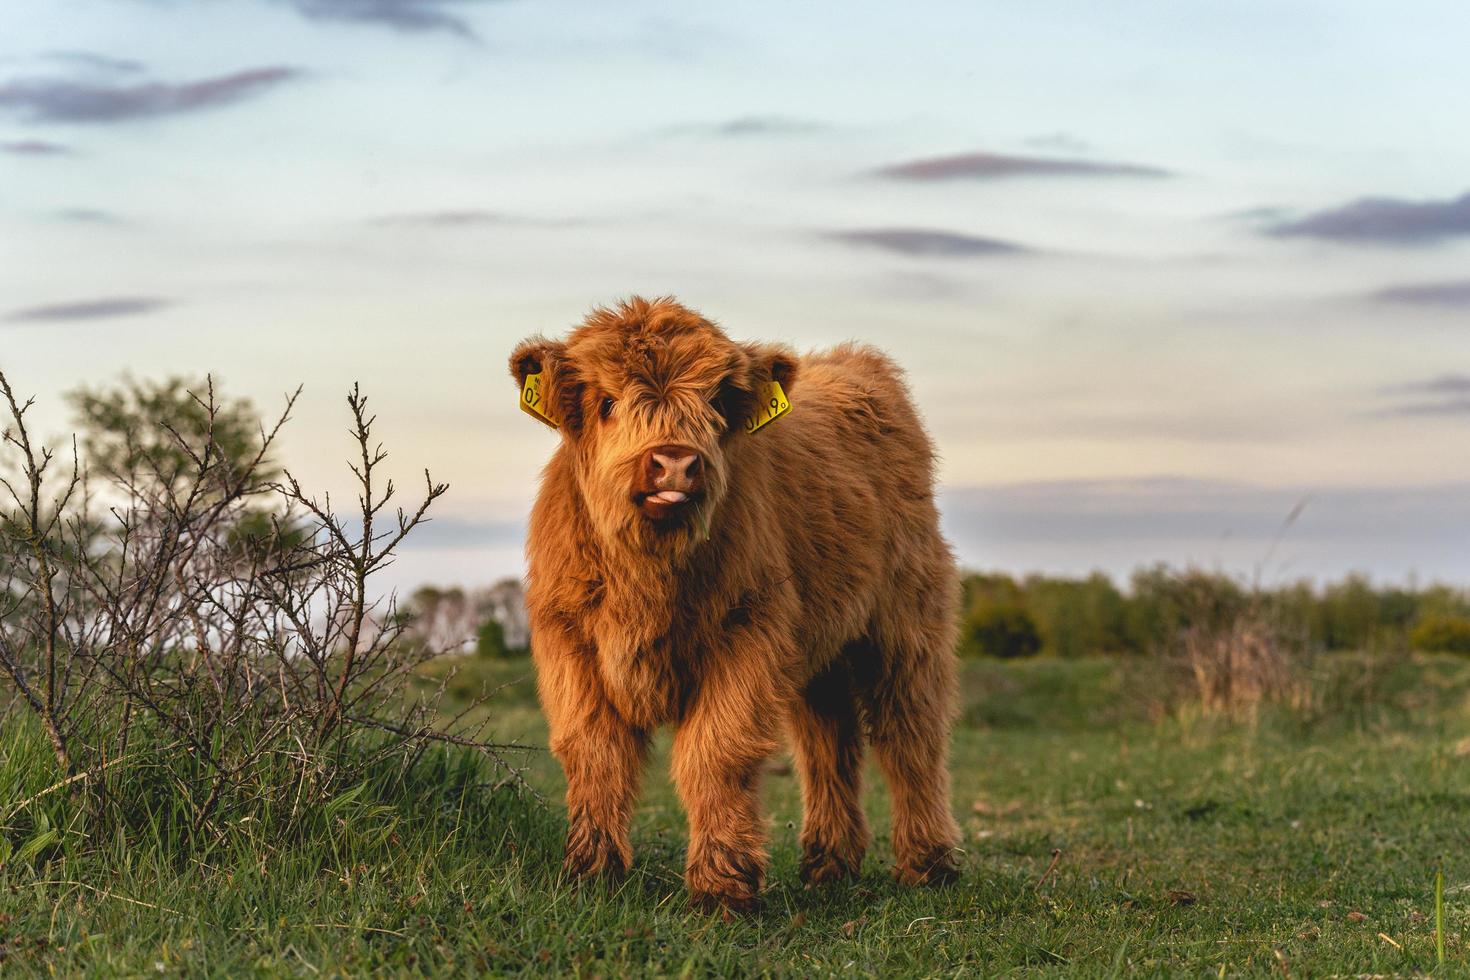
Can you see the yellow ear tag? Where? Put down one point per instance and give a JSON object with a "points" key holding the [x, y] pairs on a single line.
{"points": [[533, 404], [774, 404]]}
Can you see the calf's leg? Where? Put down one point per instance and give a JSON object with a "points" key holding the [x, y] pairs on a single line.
{"points": [[724, 736], [602, 757], [910, 705], [827, 737]]}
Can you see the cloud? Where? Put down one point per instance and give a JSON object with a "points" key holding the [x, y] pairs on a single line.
{"points": [[1442, 395], [1118, 525], [1072, 527], [91, 216], [1438, 407], [463, 218], [1263, 213], [768, 126], [68, 100], [741, 127], [466, 218], [96, 62], [92, 309], [1384, 220], [404, 16], [1455, 293], [34, 148], [1444, 384], [995, 166], [927, 242], [756, 126]]}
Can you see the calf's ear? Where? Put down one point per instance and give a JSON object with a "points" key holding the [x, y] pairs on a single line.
{"points": [[772, 362], [560, 386], [533, 355]]}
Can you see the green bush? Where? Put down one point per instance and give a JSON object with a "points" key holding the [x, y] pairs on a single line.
{"points": [[1441, 634], [1078, 617], [1002, 629], [490, 640]]}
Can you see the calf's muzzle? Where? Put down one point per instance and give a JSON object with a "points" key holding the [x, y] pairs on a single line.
{"points": [[671, 476]]}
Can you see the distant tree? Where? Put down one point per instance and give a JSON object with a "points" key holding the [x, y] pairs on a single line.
{"points": [[1443, 601], [135, 434], [1351, 614], [131, 432], [1297, 610], [490, 641], [1078, 617], [996, 621], [454, 619], [1441, 634], [1396, 609], [443, 619], [505, 602], [1002, 629], [1165, 602]]}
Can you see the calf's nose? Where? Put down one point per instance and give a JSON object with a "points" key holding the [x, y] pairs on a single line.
{"points": [[673, 468]]}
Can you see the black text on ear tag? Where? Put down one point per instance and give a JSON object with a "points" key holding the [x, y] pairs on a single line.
{"points": [[533, 404], [773, 405]]}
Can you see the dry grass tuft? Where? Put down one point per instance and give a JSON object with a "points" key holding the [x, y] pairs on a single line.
{"points": [[1234, 667]]}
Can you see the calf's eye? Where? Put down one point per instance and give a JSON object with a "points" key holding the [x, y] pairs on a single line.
{"points": [[605, 409]]}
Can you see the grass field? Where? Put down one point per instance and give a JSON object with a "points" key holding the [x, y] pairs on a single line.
{"points": [[1295, 844]]}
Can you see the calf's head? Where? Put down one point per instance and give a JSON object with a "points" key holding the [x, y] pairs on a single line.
{"points": [[651, 398]]}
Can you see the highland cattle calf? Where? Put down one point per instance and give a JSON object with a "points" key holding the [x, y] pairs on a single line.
{"points": [[735, 540]]}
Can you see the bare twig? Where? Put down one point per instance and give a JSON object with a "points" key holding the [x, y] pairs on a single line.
{"points": [[1056, 857]]}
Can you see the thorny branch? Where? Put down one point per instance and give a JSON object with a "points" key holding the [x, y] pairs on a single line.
{"points": [[230, 610]]}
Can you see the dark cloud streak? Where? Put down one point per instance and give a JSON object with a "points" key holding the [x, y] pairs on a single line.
{"points": [[1384, 220], [1442, 395], [997, 166], [92, 309], [1444, 384], [1442, 407], [768, 126], [404, 16], [927, 242], [1452, 294], [749, 127], [72, 101], [90, 216], [34, 148]]}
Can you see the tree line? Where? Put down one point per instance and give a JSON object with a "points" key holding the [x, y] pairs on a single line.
{"points": [[1007, 616]]}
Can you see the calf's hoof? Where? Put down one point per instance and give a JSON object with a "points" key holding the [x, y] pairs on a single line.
{"points": [[821, 865], [933, 866], [727, 882], [592, 853], [726, 904]]}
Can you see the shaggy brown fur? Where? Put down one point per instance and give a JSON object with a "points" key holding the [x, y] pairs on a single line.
{"points": [[802, 583]]}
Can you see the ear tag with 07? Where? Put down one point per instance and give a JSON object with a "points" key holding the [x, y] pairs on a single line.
{"points": [[532, 402]]}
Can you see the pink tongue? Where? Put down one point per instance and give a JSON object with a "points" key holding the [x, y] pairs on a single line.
{"points": [[669, 496]]}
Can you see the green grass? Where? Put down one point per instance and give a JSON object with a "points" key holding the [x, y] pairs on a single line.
{"points": [[1304, 845]]}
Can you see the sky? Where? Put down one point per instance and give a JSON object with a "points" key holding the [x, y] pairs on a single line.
{"points": [[1163, 273]]}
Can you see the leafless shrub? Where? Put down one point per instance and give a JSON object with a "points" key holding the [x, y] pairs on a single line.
{"points": [[211, 613]]}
